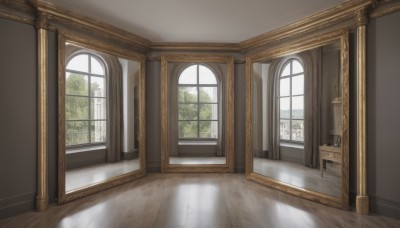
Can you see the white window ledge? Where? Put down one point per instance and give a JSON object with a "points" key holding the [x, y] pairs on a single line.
{"points": [[84, 149], [208, 143], [292, 145]]}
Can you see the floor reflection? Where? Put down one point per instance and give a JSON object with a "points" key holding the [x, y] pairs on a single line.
{"points": [[81, 177], [301, 176]]}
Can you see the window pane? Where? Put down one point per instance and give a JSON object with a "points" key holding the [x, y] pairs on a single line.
{"points": [[286, 70], [76, 132], [208, 94], [189, 75], [208, 112], [187, 94], [76, 84], [284, 108], [284, 87], [298, 107], [97, 87], [98, 108], [284, 129], [206, 76], [297, 67], [187, 129], [298, 130], [298, 85], [76, 108], [208, 129], [188, 112], [96, 66], [79, 63], [98, 131]]}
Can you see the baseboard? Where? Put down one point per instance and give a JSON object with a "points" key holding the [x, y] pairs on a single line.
{"points": [[153, 166], [129, 155], [15, 205], [380, 206], [386, 207]]}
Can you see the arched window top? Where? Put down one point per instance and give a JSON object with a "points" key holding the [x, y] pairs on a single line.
{"points": [[292, 67], [86, 63], [197, 74]]}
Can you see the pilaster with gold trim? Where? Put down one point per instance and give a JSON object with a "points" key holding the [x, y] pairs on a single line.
{"points": [[362, 200], [42, 197]]}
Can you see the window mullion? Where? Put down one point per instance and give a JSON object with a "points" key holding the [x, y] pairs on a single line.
{"points": [[198, 102], [89, 80]]}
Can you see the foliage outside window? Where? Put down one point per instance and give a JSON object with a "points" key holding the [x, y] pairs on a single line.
{"points": [[197, 103], [85, 100], [291, 101]]}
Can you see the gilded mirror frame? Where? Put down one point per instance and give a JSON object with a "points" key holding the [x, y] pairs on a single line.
{"points": [[95, 45], [229, 117], [292, 48]]}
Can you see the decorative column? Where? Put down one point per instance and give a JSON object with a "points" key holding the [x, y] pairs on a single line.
{"points": [[362, 200], [42, 197]]}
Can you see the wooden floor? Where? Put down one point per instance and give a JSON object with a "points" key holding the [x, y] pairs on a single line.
{"points": [[301, 175], [194, 200], [81, 177]]}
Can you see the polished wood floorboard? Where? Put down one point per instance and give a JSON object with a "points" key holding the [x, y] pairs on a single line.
{"points": [[194, 200], [197, 160], [301, 176], [89, 175]]}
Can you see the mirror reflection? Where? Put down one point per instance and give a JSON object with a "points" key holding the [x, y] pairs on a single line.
{"points": [[196, 114], [101, 117], [297, 119]]}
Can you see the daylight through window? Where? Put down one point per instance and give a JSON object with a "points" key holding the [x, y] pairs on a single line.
{"points": [[291, 101], [85, 100], [198, 103]]}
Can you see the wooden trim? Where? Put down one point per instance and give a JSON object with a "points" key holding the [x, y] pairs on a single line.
{"points": [[384, 8], [229, 116], [334, 14], [192, 46], [67, 17], [291, 48], [96, 45]]}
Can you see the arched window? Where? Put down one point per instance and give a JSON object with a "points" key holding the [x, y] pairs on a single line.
{"points": [[197, 103], [291, 101], [85, 100]]}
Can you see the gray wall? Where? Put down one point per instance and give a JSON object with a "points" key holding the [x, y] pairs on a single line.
{"points": [[383, 112], [18, 128]]}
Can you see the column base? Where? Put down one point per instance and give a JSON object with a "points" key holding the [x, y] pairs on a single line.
{"points": [[362, 205], [42, 203]]}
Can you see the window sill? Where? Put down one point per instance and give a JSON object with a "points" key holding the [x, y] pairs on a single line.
{"points": [[206, 143], [291, 145], [84, 149]]}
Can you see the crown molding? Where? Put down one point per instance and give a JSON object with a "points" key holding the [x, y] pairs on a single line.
{"points": [[336, 14], [63, 17], [193, 46], [385, 7]]}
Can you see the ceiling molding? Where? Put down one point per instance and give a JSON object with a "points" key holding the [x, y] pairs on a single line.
{"points": [[334, 14], [192, 46], [385, 7], [66, 17], [17, 10]]}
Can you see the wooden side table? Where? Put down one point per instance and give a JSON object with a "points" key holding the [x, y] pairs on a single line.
{"points": [[329, 153]]}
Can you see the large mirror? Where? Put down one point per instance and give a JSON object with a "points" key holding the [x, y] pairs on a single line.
{"points": [[297, 116], [101, 116], [197, 113]]}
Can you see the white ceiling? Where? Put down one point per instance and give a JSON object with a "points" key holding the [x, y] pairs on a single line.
{"points": [[225, 21]]}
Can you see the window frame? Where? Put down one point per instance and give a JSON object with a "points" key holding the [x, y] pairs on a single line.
{"points": [[89, 97], [198, 103], [290, 96]]}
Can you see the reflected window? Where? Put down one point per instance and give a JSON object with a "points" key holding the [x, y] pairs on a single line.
{"points": [[291, 101], [85, 100], [197, 103]]}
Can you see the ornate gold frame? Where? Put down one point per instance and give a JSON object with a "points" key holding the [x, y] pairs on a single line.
{"points": [[292, 48], [83, 41], [229, 117]]}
